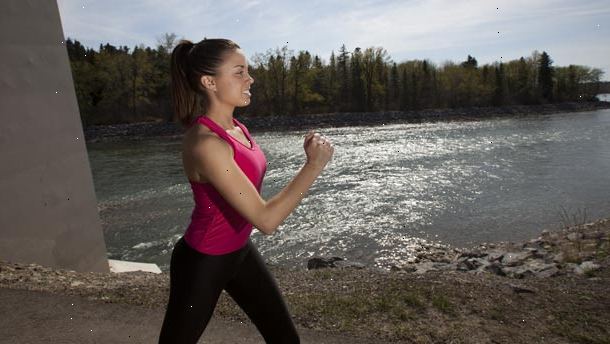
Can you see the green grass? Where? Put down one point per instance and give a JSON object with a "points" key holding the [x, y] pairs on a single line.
{"points": [[580, 327], [442, 303]]}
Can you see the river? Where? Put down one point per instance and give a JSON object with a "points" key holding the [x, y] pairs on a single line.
{"points": [[387, 189]]}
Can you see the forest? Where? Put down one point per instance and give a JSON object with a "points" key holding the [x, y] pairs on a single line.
{"points": [[115, 85]]}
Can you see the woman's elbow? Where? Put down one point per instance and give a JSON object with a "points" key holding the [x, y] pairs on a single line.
{"points": [[267, 230], [265, 227]]}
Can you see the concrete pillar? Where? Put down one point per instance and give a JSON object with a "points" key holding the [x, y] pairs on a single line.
{"points": [[48, 208]]}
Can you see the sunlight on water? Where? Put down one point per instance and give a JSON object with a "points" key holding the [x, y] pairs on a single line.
{"points": [[388, 189]]}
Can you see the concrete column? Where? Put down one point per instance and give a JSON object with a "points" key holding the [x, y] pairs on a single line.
{"points": [[48, 208]]}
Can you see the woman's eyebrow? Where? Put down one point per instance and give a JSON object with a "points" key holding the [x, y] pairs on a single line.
{"points": [[238, 66]]}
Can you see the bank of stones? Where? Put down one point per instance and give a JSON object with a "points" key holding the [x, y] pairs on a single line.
{"points": [[575, 250]]}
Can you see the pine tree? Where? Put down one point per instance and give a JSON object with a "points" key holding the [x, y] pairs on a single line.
{"points": [[394, 87], [500, 90], [545, 76]]}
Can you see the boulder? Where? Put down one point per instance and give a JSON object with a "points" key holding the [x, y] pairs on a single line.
{"points": [[471, 264], [515, 258], [495, 255], [321, 262], [574, 236], [495, 268], [585, 267], [348, 264]]}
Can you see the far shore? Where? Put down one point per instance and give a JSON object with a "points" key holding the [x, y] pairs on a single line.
{"points": [[138, 131]]}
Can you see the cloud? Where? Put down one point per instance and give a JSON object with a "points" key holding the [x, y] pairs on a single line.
{"points": [[439, 29]]}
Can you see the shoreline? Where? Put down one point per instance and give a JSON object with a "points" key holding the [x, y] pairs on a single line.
{"points": [[555, 286], [138, 131]]}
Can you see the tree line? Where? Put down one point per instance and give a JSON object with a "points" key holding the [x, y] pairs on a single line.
{"points": [[114, 85]]}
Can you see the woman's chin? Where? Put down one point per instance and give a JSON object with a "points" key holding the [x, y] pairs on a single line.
{"points": [[245, 103]]}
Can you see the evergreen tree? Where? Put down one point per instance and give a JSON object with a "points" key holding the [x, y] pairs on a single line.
{"points": [[500, 90], [404, 91], [545, 76], [572, 88], [358, 93], [523, 95], [343, 61], [332, 83], [470, 62], [394, 87]]}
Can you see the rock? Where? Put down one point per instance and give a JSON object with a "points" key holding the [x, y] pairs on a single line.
{"points": [[517, 271], [428, 266], [570, 267], [409, 268], [495, 268], [543, 270], [550, 272], [519, 289], [471, 264], [574, 236], [515, 258], [585, 267], [348, 264], [596, 235], [472, 254], [540, 253], [320, 262], [495, 255], [559, 257], [532, 268]]}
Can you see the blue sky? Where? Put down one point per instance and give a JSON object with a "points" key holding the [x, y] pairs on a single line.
{"points": [[571, 32]]}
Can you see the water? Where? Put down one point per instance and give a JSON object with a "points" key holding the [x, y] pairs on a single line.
{"points": [[605, 97], [388, 188]]}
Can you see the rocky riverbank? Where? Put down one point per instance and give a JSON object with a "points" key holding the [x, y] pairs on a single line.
{"points": [[551, 254], [137, 131], [553, 289]]}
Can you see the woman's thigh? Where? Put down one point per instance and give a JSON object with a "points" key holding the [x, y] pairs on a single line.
{"points": [[256, 292], [196, 282]]}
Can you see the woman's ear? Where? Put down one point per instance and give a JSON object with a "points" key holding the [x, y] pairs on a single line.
{"points": [[208, 82]]}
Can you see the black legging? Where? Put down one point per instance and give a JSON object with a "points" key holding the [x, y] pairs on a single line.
{"points": [[197, 280]]}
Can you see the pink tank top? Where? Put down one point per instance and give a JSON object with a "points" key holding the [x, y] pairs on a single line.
{"points": [[216, 227]]}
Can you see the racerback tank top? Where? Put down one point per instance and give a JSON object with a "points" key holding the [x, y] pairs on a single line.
{"points": [[216, 227]]}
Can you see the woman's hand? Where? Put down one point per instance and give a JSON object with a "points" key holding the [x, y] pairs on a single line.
{"points": [[318, 148]]}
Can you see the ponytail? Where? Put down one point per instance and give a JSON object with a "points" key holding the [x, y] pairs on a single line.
{"points": [[189, 62], [184, 99]]}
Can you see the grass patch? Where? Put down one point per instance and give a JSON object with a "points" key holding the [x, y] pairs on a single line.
{"points": [[324, 274], [581, 327], [349, 308], [442, 303]]}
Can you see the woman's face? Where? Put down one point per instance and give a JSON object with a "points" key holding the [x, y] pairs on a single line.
{"points": [[232, 83]]}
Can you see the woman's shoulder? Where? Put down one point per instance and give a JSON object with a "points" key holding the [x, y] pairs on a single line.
{"points": [[200, 138], [198, 132]]}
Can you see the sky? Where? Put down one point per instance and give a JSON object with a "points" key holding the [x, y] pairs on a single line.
{"points": [[571, 32]]}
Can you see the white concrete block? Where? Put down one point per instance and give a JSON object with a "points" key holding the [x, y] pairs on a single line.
{"points": [[125, 266]]}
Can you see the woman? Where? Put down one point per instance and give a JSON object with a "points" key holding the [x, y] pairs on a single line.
{"points": [[225, 168]]}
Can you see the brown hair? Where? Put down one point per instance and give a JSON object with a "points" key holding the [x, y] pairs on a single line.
{"points": [[189, 62]]}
